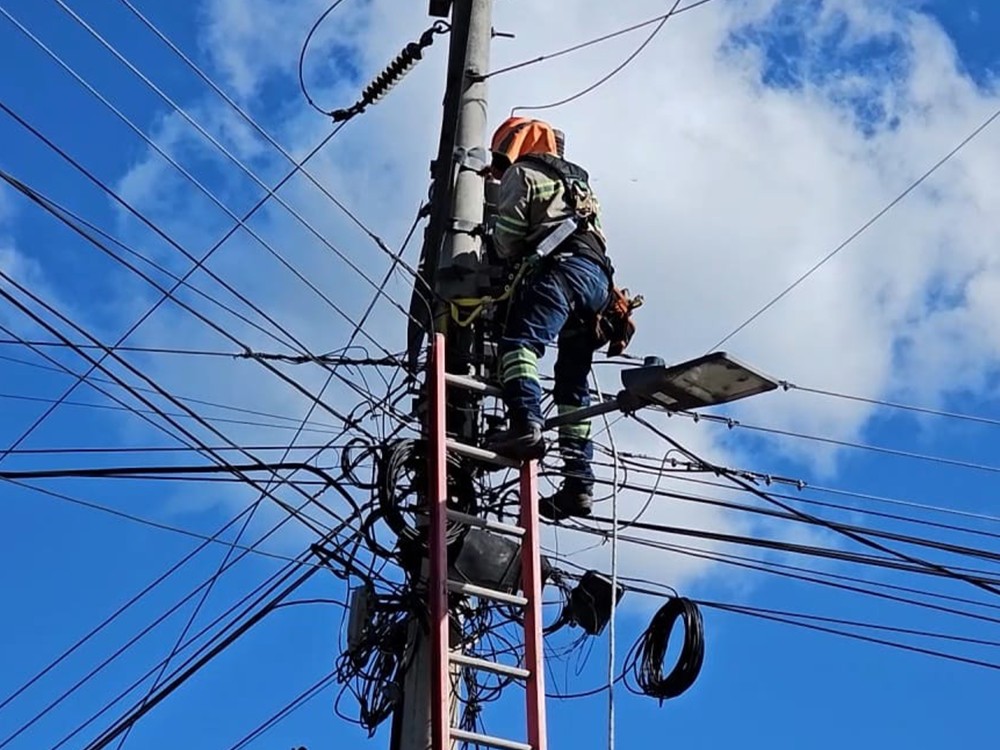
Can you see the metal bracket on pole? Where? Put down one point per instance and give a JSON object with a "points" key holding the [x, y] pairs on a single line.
{"points": [[440, 8], [475, 159], [458, 226]]}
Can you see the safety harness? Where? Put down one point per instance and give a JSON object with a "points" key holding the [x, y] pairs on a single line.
{"points": [[580, 224], [577, 235]]}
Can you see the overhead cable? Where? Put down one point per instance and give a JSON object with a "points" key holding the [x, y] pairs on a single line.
{"points": [[590, 42], [249, 172], [861, 230], [833, 526], [606, 78], [305, 48], [260, 129], [890, 404], [736, 423]]}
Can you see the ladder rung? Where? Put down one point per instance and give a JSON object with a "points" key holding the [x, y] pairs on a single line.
{"points": [[485, 523], [469, 589], [485, 739], [489, 666], [471, 384], [482, 454]]}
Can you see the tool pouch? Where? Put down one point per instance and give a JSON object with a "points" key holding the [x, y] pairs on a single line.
{"points": [[614, 326]]}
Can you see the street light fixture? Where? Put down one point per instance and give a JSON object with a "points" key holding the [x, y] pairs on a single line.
{"points": [[712, 379]]}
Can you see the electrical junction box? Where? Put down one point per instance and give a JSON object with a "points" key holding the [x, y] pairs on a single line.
{"points": [[590, 602], [490, 560], [358, 619]]}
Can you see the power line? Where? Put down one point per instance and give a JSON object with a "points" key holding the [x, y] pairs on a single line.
{"points": [[271, 193], [735, 423], [856, 623], [800, 574], [347, 381], [84, 228], [206, 651], [805, 500], [591, 42], [109, 735], [763, 614], [835, 580], [609, 76], [835, 527], [124, 607], [778, 615], [313, 691], [151, 523], [167, 292], [221, 420], [857, 233], [302, 53], [144, 349], [63, 370], [791, 516], [891, 404], [111, 450], [148, 628], [239, 163], [803, 485], [128, 366]]}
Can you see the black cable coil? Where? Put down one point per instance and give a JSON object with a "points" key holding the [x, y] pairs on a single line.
{"points": [[644, 663], [402, 481]]}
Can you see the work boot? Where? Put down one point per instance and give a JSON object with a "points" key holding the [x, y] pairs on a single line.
{"points": [[523, 441], [566, 503]]}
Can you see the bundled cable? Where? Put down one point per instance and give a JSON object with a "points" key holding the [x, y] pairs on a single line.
{"points": [[402, 477], [644, 663], [372, 669]]}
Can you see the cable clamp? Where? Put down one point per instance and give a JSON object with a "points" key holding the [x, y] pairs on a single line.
{"points": [[476, 159], [461, 226]]}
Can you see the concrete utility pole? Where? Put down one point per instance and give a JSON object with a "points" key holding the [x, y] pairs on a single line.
{"points": [[454, 253]]}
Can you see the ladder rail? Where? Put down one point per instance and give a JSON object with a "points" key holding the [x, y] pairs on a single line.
{"points": [[531, 582], [438, 549], [443, 734]]}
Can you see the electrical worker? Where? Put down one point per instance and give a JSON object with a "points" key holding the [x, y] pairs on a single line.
{"points": [[547, 215]]}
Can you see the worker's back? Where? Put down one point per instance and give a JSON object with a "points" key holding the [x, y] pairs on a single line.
{"points": [[533, 201]]}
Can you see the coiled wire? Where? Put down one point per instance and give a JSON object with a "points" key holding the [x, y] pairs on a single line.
{"points": [[644, 663], [402, 475]]}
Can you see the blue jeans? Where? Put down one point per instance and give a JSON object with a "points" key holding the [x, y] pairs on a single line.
{"points": [[558, 300]]}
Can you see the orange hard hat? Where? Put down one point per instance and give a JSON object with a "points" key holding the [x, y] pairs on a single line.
{"points": [[519, 136]]}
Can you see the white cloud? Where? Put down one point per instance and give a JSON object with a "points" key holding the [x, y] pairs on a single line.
{"points": [[719, 191]]}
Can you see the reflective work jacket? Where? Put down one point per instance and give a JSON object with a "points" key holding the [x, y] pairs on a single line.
{"points": [[533, 201]]}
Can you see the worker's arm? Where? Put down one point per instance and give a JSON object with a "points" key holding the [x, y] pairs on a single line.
{"points": [[512, 225]]}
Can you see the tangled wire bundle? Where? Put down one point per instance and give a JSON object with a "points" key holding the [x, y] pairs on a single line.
{"points": [[402, 475], [644, 663]]}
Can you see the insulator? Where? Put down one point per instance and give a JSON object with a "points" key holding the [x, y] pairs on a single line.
{"points": [[392, 74]]}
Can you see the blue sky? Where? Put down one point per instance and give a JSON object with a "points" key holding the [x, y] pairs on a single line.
{"points": [[749, 140]]}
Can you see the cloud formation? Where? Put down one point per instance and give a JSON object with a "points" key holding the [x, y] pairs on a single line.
{"points": [[742, 146]]}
